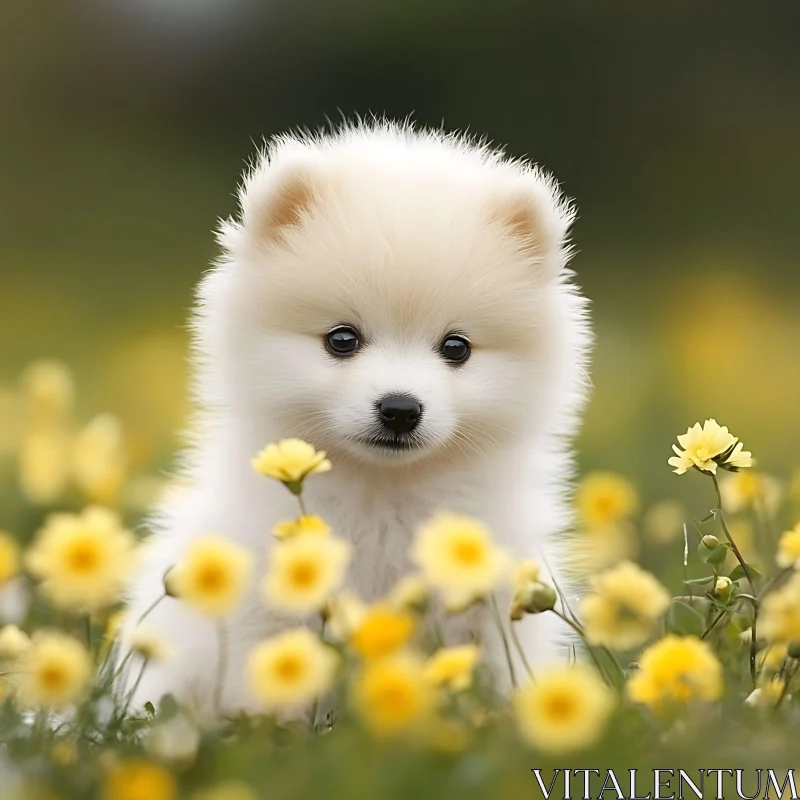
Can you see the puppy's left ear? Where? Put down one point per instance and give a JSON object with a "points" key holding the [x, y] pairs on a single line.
{"points": [[533, 212]]}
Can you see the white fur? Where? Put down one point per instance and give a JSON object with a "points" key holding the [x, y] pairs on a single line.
{"points": [[408, 235]]}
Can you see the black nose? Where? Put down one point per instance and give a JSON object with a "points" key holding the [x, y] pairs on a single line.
{"points": [[399, 412]]}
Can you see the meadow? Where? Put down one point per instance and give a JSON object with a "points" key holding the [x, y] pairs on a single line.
{"points": [[697, 676]]}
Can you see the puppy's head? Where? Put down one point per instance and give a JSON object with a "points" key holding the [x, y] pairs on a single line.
{"points": [[392, 296]]}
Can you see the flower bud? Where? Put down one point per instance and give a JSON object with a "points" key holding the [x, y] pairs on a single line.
{"points": [[534, 599], [710, 541], [722, 588]]}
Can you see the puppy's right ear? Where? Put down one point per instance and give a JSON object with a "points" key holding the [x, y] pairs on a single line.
{"points": [[276, 197]]}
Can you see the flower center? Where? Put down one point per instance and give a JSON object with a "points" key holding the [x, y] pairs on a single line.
{"points": [[560, 707], [304, 574], [83, 557], [211, 578], [52, 677], [289, 668], [394, 700], [468, 553]]}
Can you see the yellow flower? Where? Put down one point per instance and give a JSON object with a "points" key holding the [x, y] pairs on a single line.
{"points": [[604, 498], [48, 389], [53, 672], [676, 670], [392, 695], [13, 642], [344, 613], [230, 790], [291, 669], [139, 780], [212, 576], [305, 525], [84, 560], [459, 558], [44, 464], [707, 447], [150, 646], [305, 571], [779, 620], [743, 490], [98, 459], [447, 736], [290, 461], [565, 709], [381, 631], [789, 548], [664, 522], [453, 667], [9, 557], [623, 608]]}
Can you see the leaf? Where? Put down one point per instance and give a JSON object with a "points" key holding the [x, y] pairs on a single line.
{"points": [[700, 581], [737, 573], [685, 620], [150, 708], [715, 556]]}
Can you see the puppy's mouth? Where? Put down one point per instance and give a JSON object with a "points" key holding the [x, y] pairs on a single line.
{"points": [[392, 442]]}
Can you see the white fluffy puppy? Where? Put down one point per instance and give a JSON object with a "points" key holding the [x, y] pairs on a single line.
{"points": [[398, 298]]}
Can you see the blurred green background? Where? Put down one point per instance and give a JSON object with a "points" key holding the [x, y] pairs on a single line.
{"points": [[675, 126]]}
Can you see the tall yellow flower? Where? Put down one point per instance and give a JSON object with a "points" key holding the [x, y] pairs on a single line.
{"points": [[305, 571], [139, 780], [708, 446], [344, 613], [565, 709], [305, 525], [458, 557], [779, 620], [212, 576], [604, 498], [84, 560], [676, 670], [290, 461], [789, 548], [291, 669], [392, 695], [98, 459], [453, 667], [623, 608], [53, 672], [9, 557], [381, 631]]}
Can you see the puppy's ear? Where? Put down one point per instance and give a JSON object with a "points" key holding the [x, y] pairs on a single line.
{"points": [[276, 197], [533, 213]]}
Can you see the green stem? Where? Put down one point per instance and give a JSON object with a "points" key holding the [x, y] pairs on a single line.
{"points": [[748, 575], [222, 668], [302, 505], [499, 622], [579, 630], [133, 690], [315, 709], [521, 651]]}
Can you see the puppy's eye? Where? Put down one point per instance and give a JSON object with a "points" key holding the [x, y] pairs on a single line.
{"points": [[456, 349], [342, 341]]}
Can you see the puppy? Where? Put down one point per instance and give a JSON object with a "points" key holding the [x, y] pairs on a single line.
{"points": [[400, 299]]}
